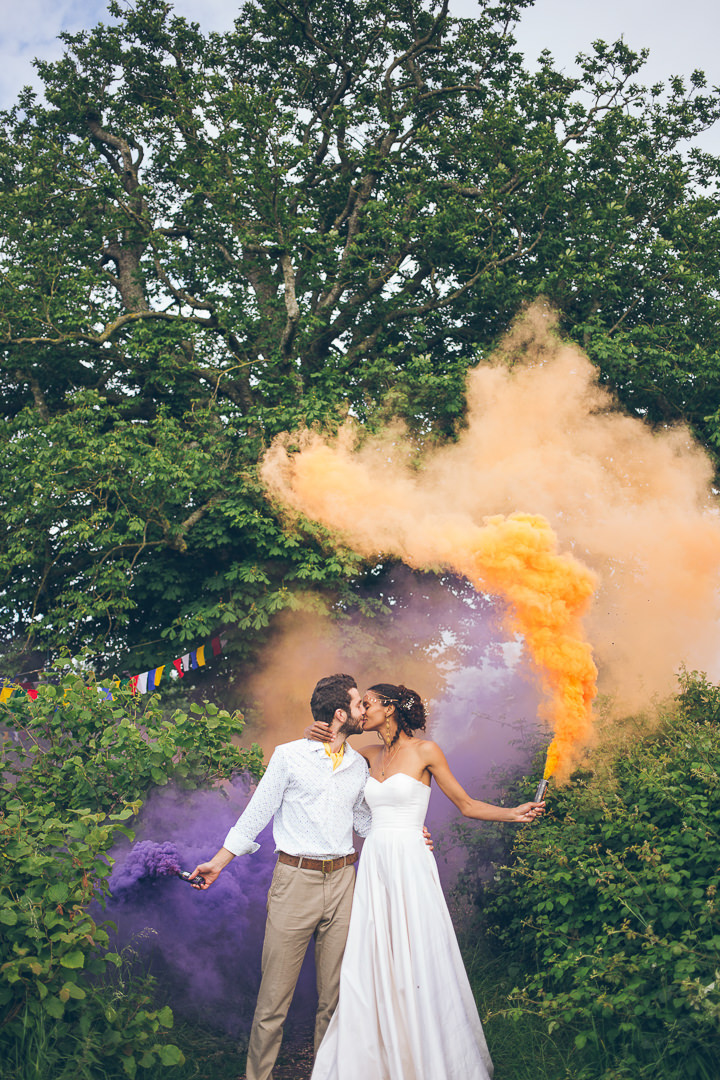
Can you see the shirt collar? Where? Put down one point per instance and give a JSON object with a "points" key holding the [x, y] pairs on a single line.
{"points": [[319, 748]]}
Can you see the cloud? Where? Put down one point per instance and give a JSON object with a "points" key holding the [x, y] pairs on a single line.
{"points": [[30, 30]]}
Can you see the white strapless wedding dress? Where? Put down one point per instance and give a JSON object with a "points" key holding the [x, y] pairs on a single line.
{"points": [[406, 1011]]}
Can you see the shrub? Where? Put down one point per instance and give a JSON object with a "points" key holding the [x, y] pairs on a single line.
{"points": [[75, 769], [609, 905]]}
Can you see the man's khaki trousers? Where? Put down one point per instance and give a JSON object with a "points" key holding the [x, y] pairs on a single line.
{"points": [[301, 904]]}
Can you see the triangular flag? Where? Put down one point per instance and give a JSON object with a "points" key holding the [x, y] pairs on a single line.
{"points": [[146, 682]]}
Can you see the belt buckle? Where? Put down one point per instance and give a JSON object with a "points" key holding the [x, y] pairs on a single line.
{"points": [[329, 862]]}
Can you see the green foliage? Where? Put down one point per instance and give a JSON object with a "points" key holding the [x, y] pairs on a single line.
{"points": [[521, 1046], [206, 240], [75, 769], [699, 698], [88, 752], [608, 908], [135, 523]]}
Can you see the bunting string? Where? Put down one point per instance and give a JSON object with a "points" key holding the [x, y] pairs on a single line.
{"points": [[147, 682]]}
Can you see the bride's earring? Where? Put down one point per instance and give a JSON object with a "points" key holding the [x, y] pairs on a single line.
{"points": [[387, 729]]}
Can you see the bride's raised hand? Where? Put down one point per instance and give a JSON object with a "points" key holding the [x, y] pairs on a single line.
{"points": [[527, 811]]}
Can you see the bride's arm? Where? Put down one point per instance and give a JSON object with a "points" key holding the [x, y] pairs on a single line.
{"points": [[436, 763]]}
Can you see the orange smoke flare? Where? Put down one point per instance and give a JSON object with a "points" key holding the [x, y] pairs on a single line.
{"points": [[382, 508], [516, 558]]}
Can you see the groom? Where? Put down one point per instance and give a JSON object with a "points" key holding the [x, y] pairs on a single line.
{"points": [[314, 793]]}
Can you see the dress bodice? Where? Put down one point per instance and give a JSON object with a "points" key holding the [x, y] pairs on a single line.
{"points": [[400, 802]]}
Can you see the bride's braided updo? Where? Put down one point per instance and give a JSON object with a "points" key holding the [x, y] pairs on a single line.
{"points": [[409, 709]]}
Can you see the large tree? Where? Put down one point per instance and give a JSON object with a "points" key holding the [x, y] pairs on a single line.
{"points": [[209, 239]]}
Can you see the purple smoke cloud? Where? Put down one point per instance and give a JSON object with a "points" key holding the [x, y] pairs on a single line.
{"points": [[203, 948]]}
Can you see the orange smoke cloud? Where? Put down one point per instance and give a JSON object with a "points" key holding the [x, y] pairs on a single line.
{"points": [[513, 557], [632, 505]]}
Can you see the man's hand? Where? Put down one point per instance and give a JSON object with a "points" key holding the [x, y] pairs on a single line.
{"points": [[211, 870], [319, 732], [428, 838]]}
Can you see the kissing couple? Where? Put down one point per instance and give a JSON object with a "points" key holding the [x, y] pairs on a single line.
{"points": [[394, 1001]]}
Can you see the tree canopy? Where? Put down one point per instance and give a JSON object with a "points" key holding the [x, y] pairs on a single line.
{"points": [[208, 239]]}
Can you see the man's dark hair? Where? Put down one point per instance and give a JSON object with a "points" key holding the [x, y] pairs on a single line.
{"points": [[331, 693]]}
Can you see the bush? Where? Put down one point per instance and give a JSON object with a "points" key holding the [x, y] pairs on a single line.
{"points": [[75, 769], [609, 905]]}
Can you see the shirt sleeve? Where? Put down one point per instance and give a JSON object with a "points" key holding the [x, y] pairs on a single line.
{"points": [[362, 814], [265, 801]]}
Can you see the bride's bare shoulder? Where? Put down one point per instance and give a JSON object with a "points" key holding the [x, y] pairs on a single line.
{"points": [[427, 748]]}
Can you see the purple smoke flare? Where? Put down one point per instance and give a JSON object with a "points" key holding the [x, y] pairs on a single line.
{"points": [[144, 860]]}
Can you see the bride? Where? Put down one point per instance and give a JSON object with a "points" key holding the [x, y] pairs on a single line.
{"points": [[406, 1010]]}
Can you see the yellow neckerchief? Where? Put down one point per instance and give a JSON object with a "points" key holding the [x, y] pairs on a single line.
{"points": [[336, 757]]}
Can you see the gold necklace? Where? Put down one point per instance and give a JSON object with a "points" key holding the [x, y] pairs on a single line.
{"points": [[386, 764]]}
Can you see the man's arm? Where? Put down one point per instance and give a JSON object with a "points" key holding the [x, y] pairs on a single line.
{"points": [[362, 815], [240, 840]]}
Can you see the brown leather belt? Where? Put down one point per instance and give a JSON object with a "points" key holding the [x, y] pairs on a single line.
{"points": [[326, 865]]}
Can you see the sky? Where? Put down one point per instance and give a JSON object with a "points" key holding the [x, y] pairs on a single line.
{"points": [[681, 36]]}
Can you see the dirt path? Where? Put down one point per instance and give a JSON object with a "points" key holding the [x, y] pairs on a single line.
{"points": [[295, 1063]]}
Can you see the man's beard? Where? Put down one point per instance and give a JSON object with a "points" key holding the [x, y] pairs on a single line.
{"points": [[350, 727]]}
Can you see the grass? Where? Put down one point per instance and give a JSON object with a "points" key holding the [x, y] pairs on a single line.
{"points": [[209, 1055], [522, 1048]]}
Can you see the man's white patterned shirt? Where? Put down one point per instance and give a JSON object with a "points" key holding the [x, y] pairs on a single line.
{"points": [[314, 808]]}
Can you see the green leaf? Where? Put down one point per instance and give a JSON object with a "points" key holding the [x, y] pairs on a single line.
{"points": [[165, 1017], [54, 1007], [74, 959], [129, 1065], [58, 893], [170, 1054]]}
